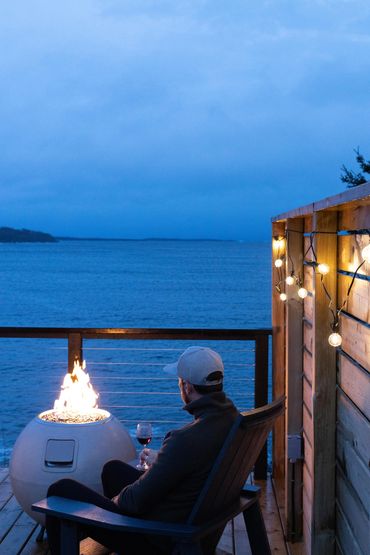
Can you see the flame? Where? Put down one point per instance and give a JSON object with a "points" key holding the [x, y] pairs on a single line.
{"points": [[77, 393]]}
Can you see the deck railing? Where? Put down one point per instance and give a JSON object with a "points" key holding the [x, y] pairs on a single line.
{"points": [[79, 338]]}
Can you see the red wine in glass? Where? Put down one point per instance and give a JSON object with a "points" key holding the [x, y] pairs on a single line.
{"points": [[144, 440], [144, 436]]}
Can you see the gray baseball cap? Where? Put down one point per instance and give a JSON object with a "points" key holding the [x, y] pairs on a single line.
{"points": [[196, 364]]}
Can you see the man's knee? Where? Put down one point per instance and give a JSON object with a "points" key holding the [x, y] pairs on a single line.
{"points": [[111, 467], [61, 487]]}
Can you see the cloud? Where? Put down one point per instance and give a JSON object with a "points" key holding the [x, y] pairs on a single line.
{"points": [[134, 107]]}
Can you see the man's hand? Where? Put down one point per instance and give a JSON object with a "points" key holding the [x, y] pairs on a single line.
{"points": [[147, 457]]}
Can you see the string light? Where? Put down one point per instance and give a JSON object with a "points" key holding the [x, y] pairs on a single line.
{"points": [[323, 269], [279, 242], [365, 253], [335, 339], [302, 292]]}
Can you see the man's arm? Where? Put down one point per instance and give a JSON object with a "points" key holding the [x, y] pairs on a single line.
{"points": [[170, 466]]}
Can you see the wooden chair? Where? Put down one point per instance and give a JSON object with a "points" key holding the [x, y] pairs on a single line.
{"points": [[222, 498]]}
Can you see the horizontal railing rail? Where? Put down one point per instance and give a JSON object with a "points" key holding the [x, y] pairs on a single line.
{"points": [[76, 337]]}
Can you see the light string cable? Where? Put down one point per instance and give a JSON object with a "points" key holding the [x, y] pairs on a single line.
{"points": [[278, 265], [365, 259], [335, 339], [292, 277]]}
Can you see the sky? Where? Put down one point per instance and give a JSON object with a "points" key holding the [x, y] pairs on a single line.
{"points": [[177, 118]]}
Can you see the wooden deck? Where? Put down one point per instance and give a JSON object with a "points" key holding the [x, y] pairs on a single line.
{"points": [[18, 531]]}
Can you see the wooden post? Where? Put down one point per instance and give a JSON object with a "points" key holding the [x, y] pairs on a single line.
{"points": [[278, 372], [74, 350], [324, 390], [294, 380], [261, 396]]}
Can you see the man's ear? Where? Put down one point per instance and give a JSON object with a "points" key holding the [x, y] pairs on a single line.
{"points": [[189, 389]]}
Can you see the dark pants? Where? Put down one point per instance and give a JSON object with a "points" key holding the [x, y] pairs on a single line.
{"points": [[115, 476]]}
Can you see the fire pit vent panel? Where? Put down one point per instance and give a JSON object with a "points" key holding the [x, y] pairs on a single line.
{"points": [[47, 450], [60, 452]]}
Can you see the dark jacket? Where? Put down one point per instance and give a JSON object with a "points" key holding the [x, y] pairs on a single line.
{"points": [[168, 490]]}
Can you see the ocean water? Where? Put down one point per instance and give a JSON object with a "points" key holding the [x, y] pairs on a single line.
{"points": [[156, 283]]}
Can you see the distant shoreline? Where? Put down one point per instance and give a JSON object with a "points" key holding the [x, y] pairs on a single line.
{"points": [[11, 235], [145, 239]]}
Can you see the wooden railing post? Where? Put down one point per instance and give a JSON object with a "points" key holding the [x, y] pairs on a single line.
{"points": [[261, 395], [324, 391], [294, 381], [278, 373], [74, 350]]}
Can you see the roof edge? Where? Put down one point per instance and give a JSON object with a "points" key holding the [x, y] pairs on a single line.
{"points": [[361, 192]]}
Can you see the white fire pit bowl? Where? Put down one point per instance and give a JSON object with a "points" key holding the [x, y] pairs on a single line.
{"points": [[47, 451]]}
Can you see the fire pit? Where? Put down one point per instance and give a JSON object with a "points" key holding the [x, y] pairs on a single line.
{"points": [[73, 440]]}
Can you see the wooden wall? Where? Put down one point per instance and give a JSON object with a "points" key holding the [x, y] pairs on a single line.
{"points": [[308, 350], [353, 390], [332, 386]]}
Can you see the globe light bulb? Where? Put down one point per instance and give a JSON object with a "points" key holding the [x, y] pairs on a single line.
{"points": [[365, 253], [289, 280], [323, 269], [283, 297], [335, 339], [279, 243], [302, 292], [278, 263]]}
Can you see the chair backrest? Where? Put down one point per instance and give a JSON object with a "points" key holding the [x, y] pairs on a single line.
{"points": [[235, 461]]}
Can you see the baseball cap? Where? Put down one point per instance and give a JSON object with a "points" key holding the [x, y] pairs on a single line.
{"points": [[196, 364]]}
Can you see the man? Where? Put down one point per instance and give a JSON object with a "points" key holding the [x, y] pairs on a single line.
{"points": [[169, 488]]}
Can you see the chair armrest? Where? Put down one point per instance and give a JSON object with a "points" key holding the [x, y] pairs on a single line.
{"points": [[88, 514], [91, 515]]}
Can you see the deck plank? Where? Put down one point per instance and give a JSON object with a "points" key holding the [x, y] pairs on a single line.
{"points": [[10, 513], [33, 547], [5, 492], [271, 517], [18, 535]]}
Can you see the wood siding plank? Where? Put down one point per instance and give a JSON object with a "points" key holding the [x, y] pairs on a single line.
{"points": [[349, 253], [345, 538], [354, 217], [308, 307], [307, 366], [355, 382], [307, 424], [358, 302], [307, 394], [308, 454], [308, 337], [354, 469], [356, 341], [356, 516], [353, 424]]}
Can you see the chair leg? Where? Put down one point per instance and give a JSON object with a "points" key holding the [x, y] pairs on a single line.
{"points": [[40, 535], [256, 530], [185, 548], [69, 538]]}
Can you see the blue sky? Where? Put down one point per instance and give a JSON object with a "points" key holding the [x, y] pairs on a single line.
{"points": [[202, 118]]}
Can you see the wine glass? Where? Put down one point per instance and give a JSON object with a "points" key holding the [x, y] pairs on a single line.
{"points": [[144, 434]]}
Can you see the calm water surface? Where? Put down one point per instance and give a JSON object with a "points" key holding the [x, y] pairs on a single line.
{"points": [[202, 284]]}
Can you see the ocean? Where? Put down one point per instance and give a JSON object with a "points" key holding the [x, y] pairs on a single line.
{"points": [[107, 284]]}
